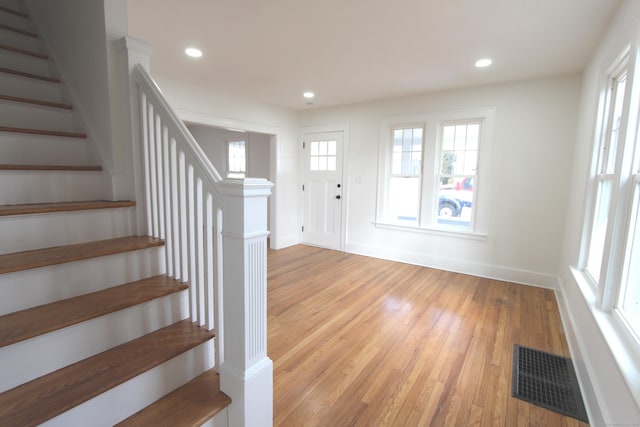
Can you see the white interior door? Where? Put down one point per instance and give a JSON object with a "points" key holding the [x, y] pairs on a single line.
{"points": [[322, 188]]}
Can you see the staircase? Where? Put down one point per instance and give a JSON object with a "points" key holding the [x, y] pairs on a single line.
{"points": [[92, 331]]}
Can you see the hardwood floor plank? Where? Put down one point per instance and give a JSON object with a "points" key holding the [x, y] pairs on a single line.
{"points": [[358, 341]]}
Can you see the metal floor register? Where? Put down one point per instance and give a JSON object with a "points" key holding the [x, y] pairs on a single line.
{"points": [[547, 380]]}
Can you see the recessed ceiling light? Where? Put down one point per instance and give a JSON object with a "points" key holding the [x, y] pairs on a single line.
{"points": [[193, 52], [485, 62], [308, 95]]}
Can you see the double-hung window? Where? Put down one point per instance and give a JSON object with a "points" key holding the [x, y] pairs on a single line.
{"points": [[611, 252], [429, 169], [406, 173]]}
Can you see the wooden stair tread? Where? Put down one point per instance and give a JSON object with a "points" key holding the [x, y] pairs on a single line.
{"points": [[32, 403], [19, 31], [19, 261], [24, 52], [36, 102], [29, 75], [49, 168], [193, 404], [32, 322], [34, 208], [43, 132]]}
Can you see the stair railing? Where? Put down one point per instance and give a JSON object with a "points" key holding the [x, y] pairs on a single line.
{"points": [[215, 233], [184, 206]]}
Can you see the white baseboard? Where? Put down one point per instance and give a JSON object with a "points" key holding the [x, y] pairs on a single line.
{"points": [[507, 274]]}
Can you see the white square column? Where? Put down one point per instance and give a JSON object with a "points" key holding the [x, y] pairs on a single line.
{"points": [[246, 373]]}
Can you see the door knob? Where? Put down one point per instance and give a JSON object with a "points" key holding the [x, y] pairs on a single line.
{"points": [[338, 197]]}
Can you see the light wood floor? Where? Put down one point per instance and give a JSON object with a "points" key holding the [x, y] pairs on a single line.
{"points": [[358, 341]]}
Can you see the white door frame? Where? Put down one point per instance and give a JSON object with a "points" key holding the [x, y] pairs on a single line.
{"points": [[345, 129]]}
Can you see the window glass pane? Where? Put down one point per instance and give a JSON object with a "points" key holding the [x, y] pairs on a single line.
{"points": [[314, 148], [314, 164], [458, 166], [322, 163], [407, 152], [447, 138], [629, 302], [331, 163], [404, 199], [455, 203], [331, 148], [616, 120], [599, 229], [460, 138], [322, 148], [237, 158], [473, 135]]}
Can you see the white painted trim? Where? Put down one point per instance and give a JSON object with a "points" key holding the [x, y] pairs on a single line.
{"points": [[619, 345], [345, 128], [497, 272]]}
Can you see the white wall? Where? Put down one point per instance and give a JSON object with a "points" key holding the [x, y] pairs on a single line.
{"points": [[198, 105], [214, 140], [528, 184], [591, 339], [79, 35]]}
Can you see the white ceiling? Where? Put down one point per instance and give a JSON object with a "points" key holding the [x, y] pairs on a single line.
{"points": [[349, 51]]}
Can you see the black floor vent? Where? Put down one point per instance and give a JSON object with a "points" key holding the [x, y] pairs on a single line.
{"points": [[547, 380]]}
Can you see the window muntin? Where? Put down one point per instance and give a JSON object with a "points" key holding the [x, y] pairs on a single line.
{"points": [[629, 297], [405, 175], [237, 159], [323, 156], [430, 165], [458, 165], [611, 261]]}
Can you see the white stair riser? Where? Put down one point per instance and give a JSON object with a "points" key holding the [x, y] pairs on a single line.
{"points": [[26, 87], [43, 285], [220, 420], [25, 361], [27, 232], [128, 398], [32, 116], [50, 187], [25, 63], [14, 21], [30, 149], [20, 41]]}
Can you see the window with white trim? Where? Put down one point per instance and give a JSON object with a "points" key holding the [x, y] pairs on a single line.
{"points": [[429, 170], [611, 256], [236, 159]]}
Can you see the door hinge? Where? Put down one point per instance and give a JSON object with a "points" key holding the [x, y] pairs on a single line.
{"points": [[302, 187], [303, 228], [304, 145]]}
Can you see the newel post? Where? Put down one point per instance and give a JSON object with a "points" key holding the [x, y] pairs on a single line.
{"points": [[246, 373]]}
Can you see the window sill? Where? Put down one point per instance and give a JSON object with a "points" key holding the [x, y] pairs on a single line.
{"points": [[624, 348], [448, 232]]}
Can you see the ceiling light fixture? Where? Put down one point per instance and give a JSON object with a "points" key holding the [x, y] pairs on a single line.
{"points": [[308, 95], [193, 52], [482, 63]]}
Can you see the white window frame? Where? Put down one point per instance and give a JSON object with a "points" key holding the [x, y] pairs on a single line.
{"points": [[603, 294], [432, 124], [237, 173]]}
